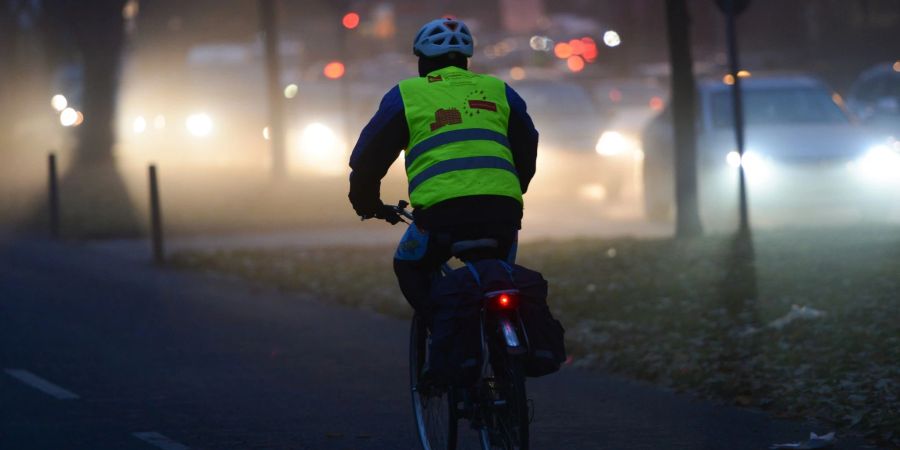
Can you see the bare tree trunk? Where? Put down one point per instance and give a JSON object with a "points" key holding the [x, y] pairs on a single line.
{"points": [[8, 39], [97, 203], [99, 34], [684, 100]]}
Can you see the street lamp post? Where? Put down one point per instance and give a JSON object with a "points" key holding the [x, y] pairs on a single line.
{"points": [[269, 28], [732, 8]]}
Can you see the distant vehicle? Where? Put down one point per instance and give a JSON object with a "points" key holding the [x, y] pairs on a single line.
{"points": [[213, 111], [802, 149], [875, 97], [569, 125], [626, 106]]}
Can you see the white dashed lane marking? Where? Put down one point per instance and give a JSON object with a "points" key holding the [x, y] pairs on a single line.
{"points": [[159, 441], [41, 384]]}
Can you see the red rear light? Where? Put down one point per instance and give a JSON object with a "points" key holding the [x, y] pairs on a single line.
{"points": [[502, 299]]}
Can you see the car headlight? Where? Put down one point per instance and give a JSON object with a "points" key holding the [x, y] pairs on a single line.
{"points": [[613, 143], [318, 148], [139, 125], [755, 165], [880, 162], [200, 124]]}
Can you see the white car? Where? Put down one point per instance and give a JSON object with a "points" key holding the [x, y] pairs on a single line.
{"points": [[802, 149]]}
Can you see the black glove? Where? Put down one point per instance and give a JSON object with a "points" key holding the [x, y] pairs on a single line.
{"points": [[389, 215]]}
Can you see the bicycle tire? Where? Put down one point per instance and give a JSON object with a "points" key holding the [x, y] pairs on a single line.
{"points": [[510, 422], [434, 410]]}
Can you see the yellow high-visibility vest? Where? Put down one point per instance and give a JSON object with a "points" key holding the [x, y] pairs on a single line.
{"points": [[458, 144]]}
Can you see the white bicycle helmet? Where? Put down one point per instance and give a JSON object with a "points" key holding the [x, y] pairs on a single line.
{"points": [[443, 36]]}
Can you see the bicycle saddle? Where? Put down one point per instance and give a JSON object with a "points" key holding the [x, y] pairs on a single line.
{"points": [[461, 247]]}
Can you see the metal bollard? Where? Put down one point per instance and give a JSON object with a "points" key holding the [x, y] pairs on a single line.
{"points": [[156, 219], [53, 191]]}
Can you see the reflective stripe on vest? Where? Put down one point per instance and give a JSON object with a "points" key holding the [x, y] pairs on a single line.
{"points": [[471, 134], [451, 165], [458, 144]]}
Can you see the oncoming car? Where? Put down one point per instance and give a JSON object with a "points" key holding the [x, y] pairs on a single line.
{"points": [[569, 125], [802, 149]]}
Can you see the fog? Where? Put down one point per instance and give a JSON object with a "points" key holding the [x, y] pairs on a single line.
{"points": [[192, 100]]}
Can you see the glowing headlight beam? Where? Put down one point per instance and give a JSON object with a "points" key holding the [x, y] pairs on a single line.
{"points": [[318, 148], [612, 143], [59, 102], [68, 117], [139, 125], [881, 163], [751, 161], [199, 124]]}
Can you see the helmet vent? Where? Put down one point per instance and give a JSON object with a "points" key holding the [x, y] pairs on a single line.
{"points": [[454, 41], [452, 25]]}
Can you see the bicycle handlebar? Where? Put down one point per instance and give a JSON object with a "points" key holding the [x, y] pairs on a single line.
{"points": [[401, 209]]}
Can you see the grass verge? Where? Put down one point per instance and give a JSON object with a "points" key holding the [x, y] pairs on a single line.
{"points": [[808, 326]]}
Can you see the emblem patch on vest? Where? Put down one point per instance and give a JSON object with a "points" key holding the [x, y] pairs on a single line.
{"points": [[482, 104], [443, 117], [434, 79]]}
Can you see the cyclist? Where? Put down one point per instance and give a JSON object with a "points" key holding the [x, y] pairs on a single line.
{"points": [[470, 155]]}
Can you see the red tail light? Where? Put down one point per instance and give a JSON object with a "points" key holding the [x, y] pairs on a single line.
{"points": [[503, 300]]}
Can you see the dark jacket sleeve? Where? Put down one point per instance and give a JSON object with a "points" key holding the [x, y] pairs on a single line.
{"points": [[523, 138], [379, 145]]}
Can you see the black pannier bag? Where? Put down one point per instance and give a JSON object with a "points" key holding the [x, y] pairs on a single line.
{"points": [[454, 351], [546, 335], [455, 354]]}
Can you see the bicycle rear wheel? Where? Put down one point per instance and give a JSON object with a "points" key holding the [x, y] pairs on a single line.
{"points": [[508, 426], [434, 407]]}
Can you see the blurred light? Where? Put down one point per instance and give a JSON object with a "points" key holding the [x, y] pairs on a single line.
{"points": [[615, 95], [59, 102], [517, 73], [612, 39], [612, 143], [562, 50], [590, 49], [79, 119], [897, 66], [593, 192], [575, 63], [68, 117], [837, 99], [503, 300], [733, 159], [743, 73], [131, 9], [265, 133], [199, 124], [754, 164], [728, 79], [657, 104], [320, 150], [578, 47], [350, 20], [139, 125], [290, 91], [541, 43], [334, 70], [159, 122], [881, 163]]}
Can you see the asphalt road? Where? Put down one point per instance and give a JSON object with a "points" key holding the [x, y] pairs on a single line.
{"points": [[103, 352]]}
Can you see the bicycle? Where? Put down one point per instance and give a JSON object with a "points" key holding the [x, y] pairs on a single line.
{"points": [[496, 405]]}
